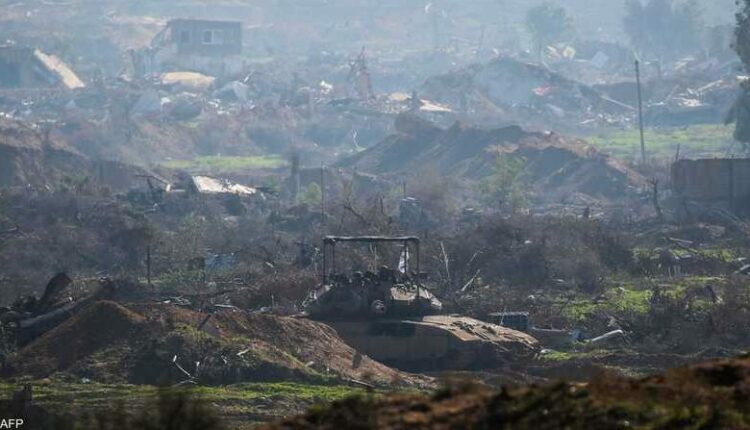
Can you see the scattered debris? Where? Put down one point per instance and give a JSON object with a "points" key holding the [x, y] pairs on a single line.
{"points": [[208, 185]]}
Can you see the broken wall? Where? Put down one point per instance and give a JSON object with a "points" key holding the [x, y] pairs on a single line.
{"points": [[713, 180], [207, 38]]}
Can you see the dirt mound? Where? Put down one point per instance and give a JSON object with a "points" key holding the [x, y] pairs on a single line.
{"points": [[315, 344], [147, 344], [459, 150], [716, 393], [553, 165], [30, 156], [27, 157], [97, 327]]}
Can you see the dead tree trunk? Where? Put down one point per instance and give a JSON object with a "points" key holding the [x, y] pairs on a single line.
{"points": [[655, 195]]}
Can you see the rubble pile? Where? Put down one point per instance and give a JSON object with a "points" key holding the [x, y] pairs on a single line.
{"points": [[514, 91]]}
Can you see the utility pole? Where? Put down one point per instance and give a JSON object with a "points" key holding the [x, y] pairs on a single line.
{"points": [[640, 111], [295, 185], [323, 199], [148, 265]]}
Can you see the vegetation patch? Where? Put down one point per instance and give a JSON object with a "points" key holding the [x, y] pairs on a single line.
{"points": [[241, 405], [695, 141], [217, 164]]}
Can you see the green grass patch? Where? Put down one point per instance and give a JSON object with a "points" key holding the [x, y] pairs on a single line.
{"points": [[629, 300], [241, 405], [678, 287], [707, 140], [558, 356], [562, 356], [222, 164], [65, 394], [618, 300], [721, 254], [580, 310], [286, 390]]}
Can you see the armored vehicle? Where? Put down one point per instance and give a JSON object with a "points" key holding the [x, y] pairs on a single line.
{"points": [[369, 295], [391, 316]]}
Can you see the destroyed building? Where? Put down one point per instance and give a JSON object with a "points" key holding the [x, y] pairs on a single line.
{"points": [[211, 47], [23, 67], [205, 38]]}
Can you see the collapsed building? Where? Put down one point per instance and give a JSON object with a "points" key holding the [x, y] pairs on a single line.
{"points": [[23, 67], [516, 91]]}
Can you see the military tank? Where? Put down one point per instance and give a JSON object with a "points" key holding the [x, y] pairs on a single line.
{"points": [[393, 318]]}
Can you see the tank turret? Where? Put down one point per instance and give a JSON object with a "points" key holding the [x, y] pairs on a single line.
{"points": [[363, 295]]}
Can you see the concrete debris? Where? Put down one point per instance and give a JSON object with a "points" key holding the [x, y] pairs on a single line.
{"points": [[234, 91], [149, 103], [23, 67], [66, 77], [209, 185]]}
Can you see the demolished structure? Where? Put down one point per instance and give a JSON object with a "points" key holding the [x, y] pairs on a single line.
{"points": [[513, 90], [210, 47], [22, 67]]}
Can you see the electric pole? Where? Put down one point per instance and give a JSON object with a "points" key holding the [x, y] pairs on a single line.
{"points": [[640, 111]]}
